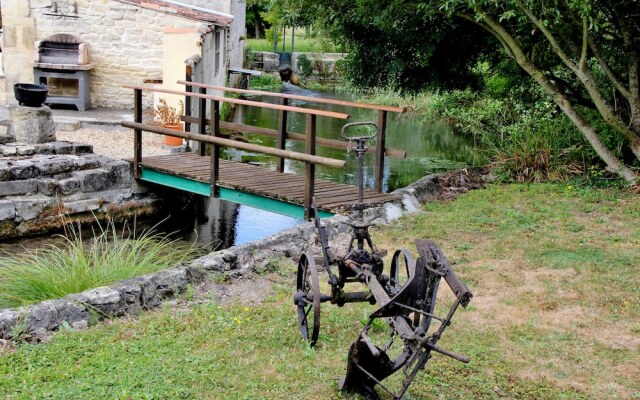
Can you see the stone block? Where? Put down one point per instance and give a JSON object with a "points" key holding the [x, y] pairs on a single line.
{"points": [[31, 124], [54, 165], [6, 138], [81, 206], [8, 151], [7, 209], [48, 187], [68, 186], [12, 188], [26, 150], [8, 320], [22, 169], [30, 207], [80, 148], [84, 163], [105, 300], [60, 147], [4, 170], [92, 180], [120, 173]]}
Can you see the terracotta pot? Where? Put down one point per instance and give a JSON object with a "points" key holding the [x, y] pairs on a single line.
{"points": [[173, 140]]}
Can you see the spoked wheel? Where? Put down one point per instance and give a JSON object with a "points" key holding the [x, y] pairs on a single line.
{"points": [[307, 298]]}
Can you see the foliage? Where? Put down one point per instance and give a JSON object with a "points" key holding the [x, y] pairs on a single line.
{"points": [[304, 66], [582, 53], [265, 82], [396, 44], [73, 267], [545, 322]]}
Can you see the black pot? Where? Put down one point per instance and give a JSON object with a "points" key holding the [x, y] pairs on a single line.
{"points": [[30, 95]]}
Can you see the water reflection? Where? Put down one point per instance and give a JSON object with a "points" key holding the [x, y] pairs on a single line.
{"points": [[430, 147]]}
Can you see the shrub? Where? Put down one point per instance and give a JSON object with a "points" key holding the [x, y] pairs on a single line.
{"points": [[305, 67]]}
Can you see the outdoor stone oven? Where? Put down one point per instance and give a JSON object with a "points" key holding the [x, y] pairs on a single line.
{"points": [[64, 57]]}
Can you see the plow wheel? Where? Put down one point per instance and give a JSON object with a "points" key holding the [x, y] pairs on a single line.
{"points": [[307, 299]]}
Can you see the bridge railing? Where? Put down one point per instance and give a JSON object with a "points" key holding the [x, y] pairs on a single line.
{"points": [[309, 157], [282, 135]]}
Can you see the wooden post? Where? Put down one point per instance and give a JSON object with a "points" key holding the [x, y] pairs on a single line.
{"points": [[282, 134], [215, 150], [202, 121], [310, 169], [137, 133], [187, 99], [380, 147]]}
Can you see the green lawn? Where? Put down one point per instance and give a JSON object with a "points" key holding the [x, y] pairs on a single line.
{"points": [[555, 274]]}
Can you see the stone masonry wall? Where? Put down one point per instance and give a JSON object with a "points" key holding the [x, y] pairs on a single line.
{"points": [[125, 42]]}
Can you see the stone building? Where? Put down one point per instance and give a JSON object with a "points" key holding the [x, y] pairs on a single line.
{"points": [[130, 41]]}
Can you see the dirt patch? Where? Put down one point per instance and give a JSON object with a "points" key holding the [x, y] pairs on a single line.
{"points": [[453, 183], [248, 291]]}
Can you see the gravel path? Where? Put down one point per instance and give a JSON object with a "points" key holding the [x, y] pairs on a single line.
{"points": [[115, 141]]}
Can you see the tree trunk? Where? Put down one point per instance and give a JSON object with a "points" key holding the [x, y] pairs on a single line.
{"points": [[613, 164]]}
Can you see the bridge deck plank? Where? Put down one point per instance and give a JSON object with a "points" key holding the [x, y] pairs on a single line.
{"points": [[330, 196]]}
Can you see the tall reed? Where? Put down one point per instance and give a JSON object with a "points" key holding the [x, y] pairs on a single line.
{"points": [[74, 266]]}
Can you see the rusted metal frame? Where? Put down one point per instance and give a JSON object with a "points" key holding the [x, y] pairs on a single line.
{"points": [[330, 114], [202, 121], [215, 150], [282, 134], [298, 97], [334, 144], [380, 146], [293, 155], [137, 133], [310, 169]]}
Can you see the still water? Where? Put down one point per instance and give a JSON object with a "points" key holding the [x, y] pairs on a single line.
{"points": [[216, 224]]}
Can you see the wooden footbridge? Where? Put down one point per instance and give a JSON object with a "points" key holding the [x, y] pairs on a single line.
{"points": [[205, 173]]}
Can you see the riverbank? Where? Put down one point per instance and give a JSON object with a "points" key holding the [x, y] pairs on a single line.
{"points": [[553, 270]]}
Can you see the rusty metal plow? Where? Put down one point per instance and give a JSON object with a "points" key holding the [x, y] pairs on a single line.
{"points": [[409, 314], [406, 300]]}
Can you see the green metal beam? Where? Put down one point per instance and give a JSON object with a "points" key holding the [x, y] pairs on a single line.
{"points": [[232, 195]]}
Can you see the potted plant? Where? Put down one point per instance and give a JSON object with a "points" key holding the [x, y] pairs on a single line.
{"points": [[169, 117]]}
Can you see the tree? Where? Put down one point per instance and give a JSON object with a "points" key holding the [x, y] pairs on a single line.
{"points": [[400, 45], [583, 53]]}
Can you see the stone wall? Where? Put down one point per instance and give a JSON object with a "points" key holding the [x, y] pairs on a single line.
{"points": [[269, 61], [125, 42]]}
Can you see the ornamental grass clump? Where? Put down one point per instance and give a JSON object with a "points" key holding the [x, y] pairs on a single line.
{"points": [[74, 266]]}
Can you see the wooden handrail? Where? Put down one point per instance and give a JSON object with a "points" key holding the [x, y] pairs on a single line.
{"points": [[292, 155], [331, 143], [310, 99], [308, 111]]}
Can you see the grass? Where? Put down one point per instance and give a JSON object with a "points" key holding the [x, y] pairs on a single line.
{"points": [[301, 44], [553, 269], [73, 266]]}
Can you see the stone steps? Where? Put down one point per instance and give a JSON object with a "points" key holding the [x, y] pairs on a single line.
{"points": [[42, 185]]}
